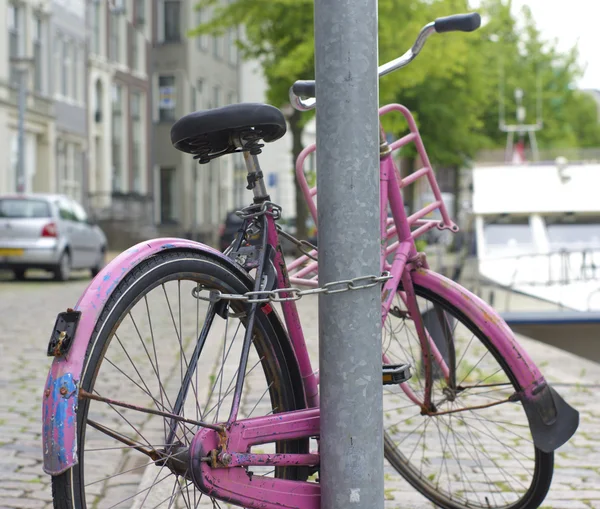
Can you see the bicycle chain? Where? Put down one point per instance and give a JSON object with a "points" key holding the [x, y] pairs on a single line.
{"points": [[345, 285]]}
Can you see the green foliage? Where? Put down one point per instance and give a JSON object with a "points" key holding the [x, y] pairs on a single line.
{"points": [[452, 88], [278, 33]]}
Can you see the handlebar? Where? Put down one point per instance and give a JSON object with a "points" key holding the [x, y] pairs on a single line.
{"points": [[456, 23]]}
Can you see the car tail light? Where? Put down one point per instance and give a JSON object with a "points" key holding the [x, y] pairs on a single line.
{"points": [[49, 230]]}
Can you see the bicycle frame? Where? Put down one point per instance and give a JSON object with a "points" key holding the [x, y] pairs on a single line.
{"points": [[403, 249], [232, 484], [221, 476]]}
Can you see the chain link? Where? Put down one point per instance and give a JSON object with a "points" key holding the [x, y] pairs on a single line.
{"points": [[294, 294], [251, 212]]}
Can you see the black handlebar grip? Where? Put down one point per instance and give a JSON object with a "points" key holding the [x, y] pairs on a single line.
{"points": [[458, 23], [304, 88]]}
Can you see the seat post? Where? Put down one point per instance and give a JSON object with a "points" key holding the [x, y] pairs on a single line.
{"points": [[255, 178]]}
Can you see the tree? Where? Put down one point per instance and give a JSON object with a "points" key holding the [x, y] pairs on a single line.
{"points": [[451, 88], [279, 34]]}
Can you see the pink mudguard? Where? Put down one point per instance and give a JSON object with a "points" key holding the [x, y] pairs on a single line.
{"points": [[59, 407]]}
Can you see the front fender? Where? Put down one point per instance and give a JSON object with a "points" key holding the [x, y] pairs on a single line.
{"points": [[552, 420], [59, 406]]}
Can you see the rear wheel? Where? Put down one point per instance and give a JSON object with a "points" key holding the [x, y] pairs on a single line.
{"points": [[62, 272], [141, 350], [477, 451]]}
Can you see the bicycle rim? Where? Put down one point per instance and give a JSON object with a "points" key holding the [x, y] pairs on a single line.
{"points": [[139, 357], [468, 457]]}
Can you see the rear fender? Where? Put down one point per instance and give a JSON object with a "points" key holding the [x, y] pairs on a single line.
{"points": [[59, 407], [552, 420]]}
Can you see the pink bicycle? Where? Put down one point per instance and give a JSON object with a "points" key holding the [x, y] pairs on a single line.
{"points": [[175, 383]]}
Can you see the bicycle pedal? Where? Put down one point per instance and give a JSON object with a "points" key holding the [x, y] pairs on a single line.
{"points": [[395, 373]]}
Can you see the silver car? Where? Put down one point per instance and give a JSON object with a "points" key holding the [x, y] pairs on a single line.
{"points": [[52, 232]]}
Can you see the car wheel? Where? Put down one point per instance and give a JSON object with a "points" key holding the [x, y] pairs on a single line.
{"points": [[63, 271], [100, 264], [19, 274]]}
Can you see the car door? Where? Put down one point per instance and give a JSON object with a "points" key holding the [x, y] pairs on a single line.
{"points": [[70, 228], [90, 246]]}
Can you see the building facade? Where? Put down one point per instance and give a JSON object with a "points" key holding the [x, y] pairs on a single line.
{"points": [[191, 74], [119, 88], [24, 59], [106, 80], [67, 61]]}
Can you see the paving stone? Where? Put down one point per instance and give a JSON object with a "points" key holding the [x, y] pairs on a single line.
{"points": [[23, 503], [23, 484]]}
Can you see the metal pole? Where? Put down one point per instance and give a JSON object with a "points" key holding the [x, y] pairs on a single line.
{"points": [[351, 446], [21, 130]]}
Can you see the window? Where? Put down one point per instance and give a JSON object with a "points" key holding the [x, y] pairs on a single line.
{"points": [[193, 98], [166, 98], [217, 46], [24, 208], [96, 31], [15, 37], [172, 20], [201, 40], [65, 210], [140, 13], [66, 68], [231, 98], [135, 50], [511, 234], [38, 63], [78, 212], [98, 99], [75, 74], [136, 154], [232, 53], [115, 36], [572, 232], [117, 138], [167, 196]]}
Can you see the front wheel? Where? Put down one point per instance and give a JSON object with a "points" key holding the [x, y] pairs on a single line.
{"points": [[477, 450]]}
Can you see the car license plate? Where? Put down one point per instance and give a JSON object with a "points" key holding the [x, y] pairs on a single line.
{"points": [[11, 252]]}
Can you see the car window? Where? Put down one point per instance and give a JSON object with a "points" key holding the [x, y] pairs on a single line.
{"points": [[78, 211], [64, 210], [22, 208]]}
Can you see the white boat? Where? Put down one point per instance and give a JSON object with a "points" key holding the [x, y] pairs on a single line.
{"points": [[537, 229]]}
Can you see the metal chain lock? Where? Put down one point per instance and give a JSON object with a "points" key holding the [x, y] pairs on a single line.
{"points": [[264, 296]]}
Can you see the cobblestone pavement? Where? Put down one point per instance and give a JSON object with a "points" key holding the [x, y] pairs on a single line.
{"points": [[28, 310]]}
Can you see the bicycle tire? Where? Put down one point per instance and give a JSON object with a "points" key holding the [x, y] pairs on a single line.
{"points": [[67, 488], [544, 462]]}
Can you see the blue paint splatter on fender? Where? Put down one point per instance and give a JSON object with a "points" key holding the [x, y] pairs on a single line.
{"points": [[60, 425]]}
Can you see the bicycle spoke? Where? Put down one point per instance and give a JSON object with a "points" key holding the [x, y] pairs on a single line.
{"points": [[142, 491], [156, 369], [149, 489], [222, 364], [260, 399]]}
